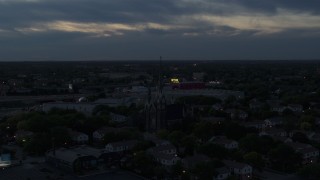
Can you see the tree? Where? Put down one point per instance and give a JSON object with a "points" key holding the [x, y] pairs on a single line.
{"points": [[307, 126], [160, 172], [89, 125], [203, 131], [60, 136], [252, 142], [121, 136], [38, 144], [102, 109], [189, 142], [311, 171], [206, 170], [300, 137], [255, 159], [288, 112], [143, 163], [200, 100], [142, 145], [284, 158], [163, 134], [213, 150], [179, 171], [176, 137], [235, 131]]}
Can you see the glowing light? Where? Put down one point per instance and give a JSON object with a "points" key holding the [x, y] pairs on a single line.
{"points": [[175, 81]]}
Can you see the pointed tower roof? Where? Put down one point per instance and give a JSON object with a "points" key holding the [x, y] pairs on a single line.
{"points": [[160, 75]]}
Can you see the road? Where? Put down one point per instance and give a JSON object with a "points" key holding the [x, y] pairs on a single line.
{"points": [[42, 171], [41, 98]]}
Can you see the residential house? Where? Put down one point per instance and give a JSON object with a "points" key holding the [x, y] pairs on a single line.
{"points": [[121, 146], [222, 173], [85, 108], [255, 105], [237, 114], [282, 139], [99, 134], [103, 156], [117, 118], [270, 122], [314, 137], [278, 108], [70, 160], [164, 154], [297, 108], [273, 132], [225, 142], [111, 102], [165, 159], [217, 107], [166, 149], [259, 125], [299, 131], [242, 171], [157, 141], [191, 161], [309, 153], [213, 119], [79, 137]]}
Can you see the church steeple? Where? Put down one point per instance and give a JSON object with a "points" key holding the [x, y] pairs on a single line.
{"points": [[149, 94], [156, 106], [160, 75]]}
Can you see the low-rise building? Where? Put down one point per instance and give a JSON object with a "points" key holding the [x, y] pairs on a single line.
{"points": [[121, 146], [270, 122], [225, 142], [222, 173], [99, 134], [165, 159], [314, 137], [214, 120], [217, 107], [79, 137], [278, 108], [192, 161], [237, 114], [259, 125], [255, 105], [309, 153], [157, 141], [241, 170], [117, 118], [297, 108], [166, 149], [71, 160], [85, 108], [273, 132], [164, 154]]}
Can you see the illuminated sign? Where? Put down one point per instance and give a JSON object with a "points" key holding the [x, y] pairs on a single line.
{"points": [[175, 81]]}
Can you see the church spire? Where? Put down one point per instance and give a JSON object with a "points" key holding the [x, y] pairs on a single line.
{"points": [[149, 94], [160, 75]]}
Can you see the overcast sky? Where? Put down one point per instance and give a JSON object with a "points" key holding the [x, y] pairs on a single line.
{"points": [[146, 29]]}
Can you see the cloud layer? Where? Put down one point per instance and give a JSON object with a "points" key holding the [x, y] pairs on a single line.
{"points": [[125, 29]]}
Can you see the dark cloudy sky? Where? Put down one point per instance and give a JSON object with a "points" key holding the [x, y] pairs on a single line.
{"points": [[145, 29]]}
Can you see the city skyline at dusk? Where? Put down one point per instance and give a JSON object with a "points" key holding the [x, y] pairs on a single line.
{"points": [[142, 30]]}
